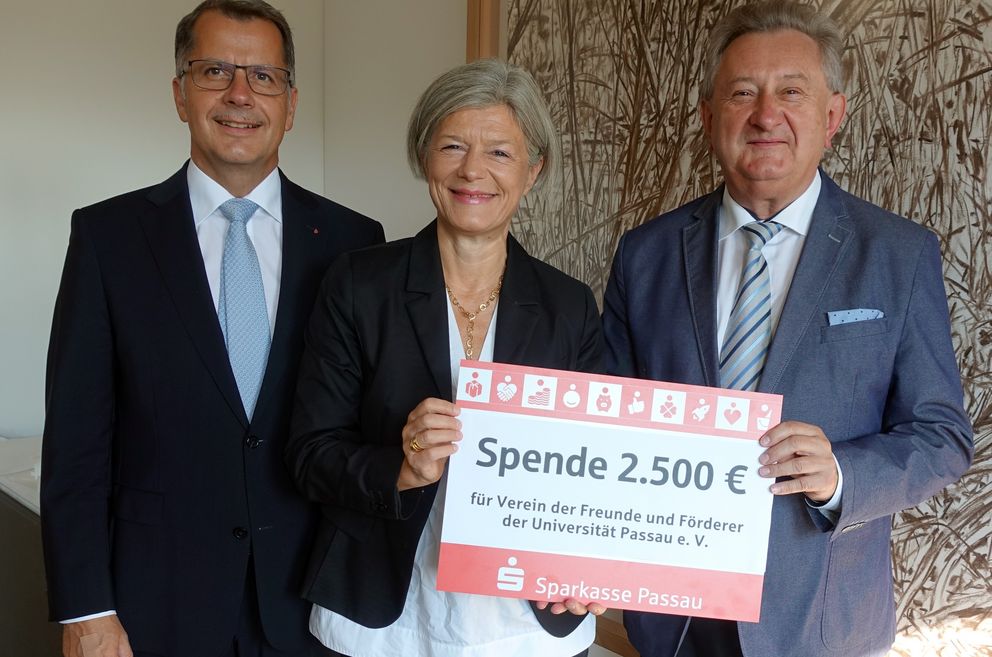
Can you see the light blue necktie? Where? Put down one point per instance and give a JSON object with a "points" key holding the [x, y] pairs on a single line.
{"points": [[242, 312], [749, 330]]}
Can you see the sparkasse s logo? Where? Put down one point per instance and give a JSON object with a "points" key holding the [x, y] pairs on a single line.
{"points": [[509, 577]]}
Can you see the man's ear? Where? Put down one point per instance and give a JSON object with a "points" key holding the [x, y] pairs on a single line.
{"points": [[180, 98], [706, 118], [291, 114], [836, 108]]}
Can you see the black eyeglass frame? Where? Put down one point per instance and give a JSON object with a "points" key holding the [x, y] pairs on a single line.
{"points": [[234, 69]]}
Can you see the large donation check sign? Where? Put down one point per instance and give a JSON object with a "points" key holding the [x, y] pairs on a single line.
{"points": [[635, 494]]}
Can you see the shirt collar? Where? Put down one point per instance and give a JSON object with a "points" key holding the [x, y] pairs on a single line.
{"points": [[206, 194], [796, 216]]}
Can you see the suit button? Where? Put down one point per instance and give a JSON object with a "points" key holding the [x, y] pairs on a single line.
{"points": [[240, 533], [252, 442]]}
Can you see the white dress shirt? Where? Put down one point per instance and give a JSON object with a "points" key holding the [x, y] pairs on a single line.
{"points": [[782, 254], [264, 231], [442, 624]]}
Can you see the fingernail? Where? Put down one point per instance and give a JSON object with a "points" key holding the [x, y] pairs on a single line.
{"points": [[765, 440], [763, 472]]}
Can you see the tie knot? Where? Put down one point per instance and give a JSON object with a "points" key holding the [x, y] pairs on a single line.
{"points": [[761, 232], [238, 210]]}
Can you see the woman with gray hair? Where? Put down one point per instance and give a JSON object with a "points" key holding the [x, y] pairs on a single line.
{"points": [[374, 423]]}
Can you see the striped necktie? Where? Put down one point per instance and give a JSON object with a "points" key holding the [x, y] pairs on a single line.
{"points": [[242, 312], [749, 330]]}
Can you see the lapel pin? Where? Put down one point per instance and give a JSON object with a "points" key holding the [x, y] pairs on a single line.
{"points": [[314, 230]]}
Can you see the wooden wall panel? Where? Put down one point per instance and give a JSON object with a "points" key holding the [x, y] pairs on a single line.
{"points": [[483, 30]]}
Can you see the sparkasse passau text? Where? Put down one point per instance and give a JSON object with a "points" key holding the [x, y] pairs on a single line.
{"points": [[545, 588]]}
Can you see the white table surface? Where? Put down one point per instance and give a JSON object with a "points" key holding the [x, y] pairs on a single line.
{"points": [[20, 467]]}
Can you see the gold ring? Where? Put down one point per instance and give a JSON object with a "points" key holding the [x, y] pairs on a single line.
{"points": [[415, 446]]}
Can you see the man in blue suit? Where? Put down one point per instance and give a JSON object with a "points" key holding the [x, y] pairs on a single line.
{"points": [[779, 281]]}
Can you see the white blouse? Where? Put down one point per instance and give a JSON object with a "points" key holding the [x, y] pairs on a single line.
{"points": [[442, 624]]}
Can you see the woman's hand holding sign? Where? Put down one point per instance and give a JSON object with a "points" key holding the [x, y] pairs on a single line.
{"points": [[430, 436]]}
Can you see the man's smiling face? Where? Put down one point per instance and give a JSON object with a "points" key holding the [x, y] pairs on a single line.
{"points": [[771, 116], [235, 132]]}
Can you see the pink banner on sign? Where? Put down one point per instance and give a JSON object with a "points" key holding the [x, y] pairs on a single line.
{"points": [[643, 587], [618, 401]]}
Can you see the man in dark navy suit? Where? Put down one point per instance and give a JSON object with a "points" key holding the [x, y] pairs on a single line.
{"points": [[171, 526], [781, 282]]}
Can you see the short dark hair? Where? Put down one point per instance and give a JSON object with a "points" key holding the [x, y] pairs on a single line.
{"points": [[773, 16], [243, 10]]}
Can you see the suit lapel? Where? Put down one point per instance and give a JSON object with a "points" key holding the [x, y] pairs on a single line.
{"points": [[829, 235], [426, 306], [519, 308], [517, 313], [700, 248], [171, 236], [301, 249]]}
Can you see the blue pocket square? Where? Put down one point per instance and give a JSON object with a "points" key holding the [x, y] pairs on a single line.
{"points": [[836, 317]]}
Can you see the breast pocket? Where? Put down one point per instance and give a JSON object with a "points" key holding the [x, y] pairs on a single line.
{"points": [[854, 330]]}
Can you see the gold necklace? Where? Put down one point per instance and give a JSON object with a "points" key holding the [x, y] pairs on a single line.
{"points": [[469, 349]]}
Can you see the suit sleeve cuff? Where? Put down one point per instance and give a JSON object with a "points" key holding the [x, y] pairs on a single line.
{"points": [[112, 612], [831, 508]]}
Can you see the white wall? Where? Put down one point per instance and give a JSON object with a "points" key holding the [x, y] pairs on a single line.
{"points": [[91, 115], [380, 55], [87, 113]]}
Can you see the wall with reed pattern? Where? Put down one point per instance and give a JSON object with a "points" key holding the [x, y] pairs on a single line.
{"points": [[620, 76]]}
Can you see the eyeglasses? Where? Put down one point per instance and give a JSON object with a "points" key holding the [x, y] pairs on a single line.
{"points": [[214, 75]]}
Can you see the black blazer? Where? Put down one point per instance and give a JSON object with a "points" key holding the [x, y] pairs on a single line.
{"points": [[377, 345], [156, 493]]}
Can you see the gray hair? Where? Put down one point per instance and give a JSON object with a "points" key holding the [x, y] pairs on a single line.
{"points": [[242, 10], [770, 17], [486, 83]]}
